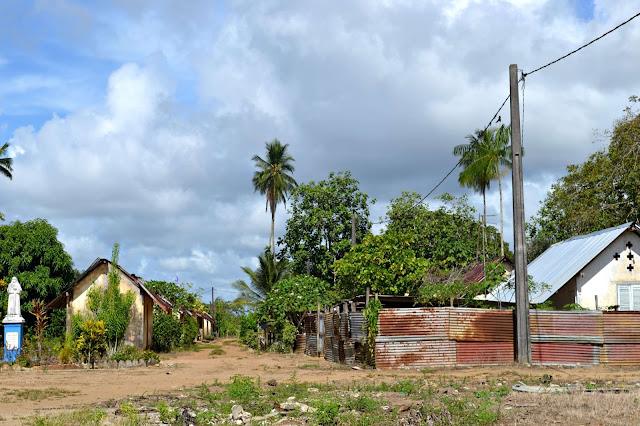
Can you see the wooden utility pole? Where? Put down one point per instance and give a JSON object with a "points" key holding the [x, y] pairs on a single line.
{"points": [[213, 311], [523, 333]]}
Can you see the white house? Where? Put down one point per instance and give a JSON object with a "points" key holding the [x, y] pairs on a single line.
{"points": [[597, 271]]}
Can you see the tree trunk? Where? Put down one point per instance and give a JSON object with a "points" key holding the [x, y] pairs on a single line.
{"points": [[484, 233], [272, 241], [501, 214]]}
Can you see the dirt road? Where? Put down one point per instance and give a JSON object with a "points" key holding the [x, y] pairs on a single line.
{"points": [[72, 389]]}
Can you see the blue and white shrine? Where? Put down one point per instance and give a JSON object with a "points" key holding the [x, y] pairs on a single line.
{"points": [[13, 323]]}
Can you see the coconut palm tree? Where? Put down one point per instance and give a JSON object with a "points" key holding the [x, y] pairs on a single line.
{"points": [[262, 279], [6, 162], [482, 159], [273, 178]]}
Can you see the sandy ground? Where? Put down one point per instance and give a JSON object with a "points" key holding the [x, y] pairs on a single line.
{"points": [[77, 388]]}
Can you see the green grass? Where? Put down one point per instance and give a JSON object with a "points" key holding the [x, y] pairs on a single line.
{"points": [[40, 394], [85, 416], [217, 350]]}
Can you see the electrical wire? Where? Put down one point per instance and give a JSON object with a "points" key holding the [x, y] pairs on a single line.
{"points": [[583, 46]]}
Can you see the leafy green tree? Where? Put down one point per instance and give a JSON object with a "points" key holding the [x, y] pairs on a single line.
{"points": [[180, 295], [31, 252], [602, 192], [448, 236], [319, 230], [261, 279], [481, 159], [290, 299], [228, 317], [386, 263], [167, 331], [274, 179]]}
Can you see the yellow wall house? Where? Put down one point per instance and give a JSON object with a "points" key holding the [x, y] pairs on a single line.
{"points": [[140, 330]]}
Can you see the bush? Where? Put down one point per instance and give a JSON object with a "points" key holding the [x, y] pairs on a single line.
{"points": [[242, 388], [126, 353], [189, 330], [251, 339], [65, 354], [279, 347], [289, 334], [167, 330], [92, 343]]}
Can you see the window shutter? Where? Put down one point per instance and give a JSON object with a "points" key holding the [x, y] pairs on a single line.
{"points": [[624, 301], [635, 297]]}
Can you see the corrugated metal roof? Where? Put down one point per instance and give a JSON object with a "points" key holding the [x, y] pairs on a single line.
{"points": [[560, 262]]}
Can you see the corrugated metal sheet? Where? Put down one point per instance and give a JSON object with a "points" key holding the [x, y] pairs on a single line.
{"points": [[349, 353], [414, 322], [560, 262], [335, 350], [356, 321], [344, 326], [483, 353], [620, 354], [415, 354], [621, 327], [481, 325], [312, 347], [328, 325], [566, 326], [328, 349], [301, 342], [565, 353]]}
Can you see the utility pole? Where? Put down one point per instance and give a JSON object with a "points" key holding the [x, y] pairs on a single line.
{"points": [[523, 332]]}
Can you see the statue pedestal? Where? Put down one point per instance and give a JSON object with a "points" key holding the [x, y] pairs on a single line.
{"points": [[12, 337]]}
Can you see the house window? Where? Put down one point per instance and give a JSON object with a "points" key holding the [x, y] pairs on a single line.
{"points": [[629, 297]]}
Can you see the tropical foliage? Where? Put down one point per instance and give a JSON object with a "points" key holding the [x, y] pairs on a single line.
{"points": [[385, 263], [261, 279], [319, 230], [110, 306], [291, 298], [481, 159], [31, 252], [602, 192], [273, 179]]}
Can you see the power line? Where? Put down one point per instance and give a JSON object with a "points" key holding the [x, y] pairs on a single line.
{"points": [[583, 46]]}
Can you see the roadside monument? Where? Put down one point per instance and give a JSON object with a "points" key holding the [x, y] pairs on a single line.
{"points": [[13, 323]]}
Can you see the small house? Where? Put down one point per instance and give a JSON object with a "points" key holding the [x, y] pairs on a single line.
{"points": [[140, 330], [596, 271]]}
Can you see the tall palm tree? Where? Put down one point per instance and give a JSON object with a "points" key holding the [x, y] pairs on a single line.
{"points": [[262, 279], [273, 178], [476, 173], [6, 163], [482, 157]]}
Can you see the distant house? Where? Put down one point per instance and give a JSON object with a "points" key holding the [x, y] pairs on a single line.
{"points": [[598, 270], [140, 330], [476, 273]]}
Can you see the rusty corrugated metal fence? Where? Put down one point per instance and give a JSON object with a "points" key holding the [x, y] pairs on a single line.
{"points": [[424, 337]]}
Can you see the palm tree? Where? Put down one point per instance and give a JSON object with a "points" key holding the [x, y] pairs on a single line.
{"points": [[482, 157], [262, 279], [6, 162], [273, 179]]}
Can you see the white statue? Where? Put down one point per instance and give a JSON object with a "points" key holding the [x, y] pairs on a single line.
{"points": [[13, 313]]}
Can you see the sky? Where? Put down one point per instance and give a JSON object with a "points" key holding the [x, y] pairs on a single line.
{"points": [[135, 121]]}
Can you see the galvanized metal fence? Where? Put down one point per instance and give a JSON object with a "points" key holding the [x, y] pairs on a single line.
{"points": [[425, 337]]}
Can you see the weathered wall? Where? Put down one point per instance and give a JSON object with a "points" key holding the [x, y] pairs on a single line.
{"points": [[98, 277], [602, 276], [565, 295]]}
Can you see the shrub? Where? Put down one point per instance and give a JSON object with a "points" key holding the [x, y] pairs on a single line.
{"points": [[126, 353], [251, 339], [92, 342], [242, 388], [65, 354], [189, 330], [327, 413], [289, 333], [167, 330]]}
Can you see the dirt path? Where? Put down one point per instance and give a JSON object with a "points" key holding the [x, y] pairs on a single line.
{"points": [[72, 389]]}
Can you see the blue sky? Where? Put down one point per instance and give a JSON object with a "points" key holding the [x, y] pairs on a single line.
{"points": [[135, 121]]}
